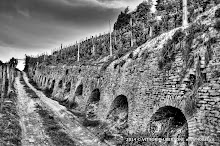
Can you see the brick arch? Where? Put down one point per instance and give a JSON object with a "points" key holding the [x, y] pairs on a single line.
{"points": [[120, 91], [89, 86], [92, 104], [174, 102], [60, 84], [179, 104], [168, 121], [52, 85], [118, 113], [120, 100], [71, 100], [47, 82], [94, 96], [67, 72], [67, 87], [173, 109], [79, 90]]}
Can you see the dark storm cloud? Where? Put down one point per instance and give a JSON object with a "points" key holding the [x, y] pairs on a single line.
{"points": [[29, 23], [35, 25], [69, 11]]}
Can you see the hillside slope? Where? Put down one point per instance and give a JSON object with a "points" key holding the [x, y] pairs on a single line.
{"points": [[143, 88]]}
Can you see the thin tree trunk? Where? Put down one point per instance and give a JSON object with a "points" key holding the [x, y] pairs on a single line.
{"points": [[110, 38], [93, 47], [3, 87], [78, 52], [185, 13], [9, 78], [131, 33], [151, 31]]}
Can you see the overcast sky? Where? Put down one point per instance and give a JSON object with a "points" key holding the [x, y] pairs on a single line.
{"points": [[37, 26]]}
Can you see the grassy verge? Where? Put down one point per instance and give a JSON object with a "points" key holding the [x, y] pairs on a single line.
{"points": [[53, 129], [10, 130]]}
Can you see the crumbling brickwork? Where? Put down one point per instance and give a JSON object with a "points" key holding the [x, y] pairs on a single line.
{"points": [[194, 89]]}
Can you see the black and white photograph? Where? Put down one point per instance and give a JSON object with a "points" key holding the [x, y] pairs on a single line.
{"points": [[109, 72]]}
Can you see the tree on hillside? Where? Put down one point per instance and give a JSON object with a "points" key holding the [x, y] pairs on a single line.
{"points": [[202, 5], [170, 9], [27, 62], [13, 62], [195, 7], [126, 10], [143, 9], [123, 20]]}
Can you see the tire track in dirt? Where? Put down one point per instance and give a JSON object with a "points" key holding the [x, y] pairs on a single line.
{"points": [[33, 133], [66, 120]]}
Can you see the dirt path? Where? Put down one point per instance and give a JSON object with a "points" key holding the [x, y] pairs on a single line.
{"points": [[33, 119], [33, 133]]}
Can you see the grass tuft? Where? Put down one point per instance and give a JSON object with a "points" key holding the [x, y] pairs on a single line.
{"points": [[10, 130]]}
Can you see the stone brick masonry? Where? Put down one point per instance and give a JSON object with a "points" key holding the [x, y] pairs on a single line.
{"points": [[146, 87]]}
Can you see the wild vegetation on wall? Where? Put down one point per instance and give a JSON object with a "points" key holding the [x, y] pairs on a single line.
{"points": [[186, 42], [142, 23], [180, 58]]}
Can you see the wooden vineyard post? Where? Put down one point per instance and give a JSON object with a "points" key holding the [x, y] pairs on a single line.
{"points": [[132, 44], [185, 13], [3, 86], [78, 45], [110, 48], [93, 47]]}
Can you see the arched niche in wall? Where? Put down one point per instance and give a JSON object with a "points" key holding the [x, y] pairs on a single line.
{"points": [[60, 84], [42, 81], [67, 72], [67, 87], [75, 101], [169, 122], [48, 82], [79, 90], [92, 105], [49, 89], [39, 79], [118, 114], [45, 79], [52, 85]]}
